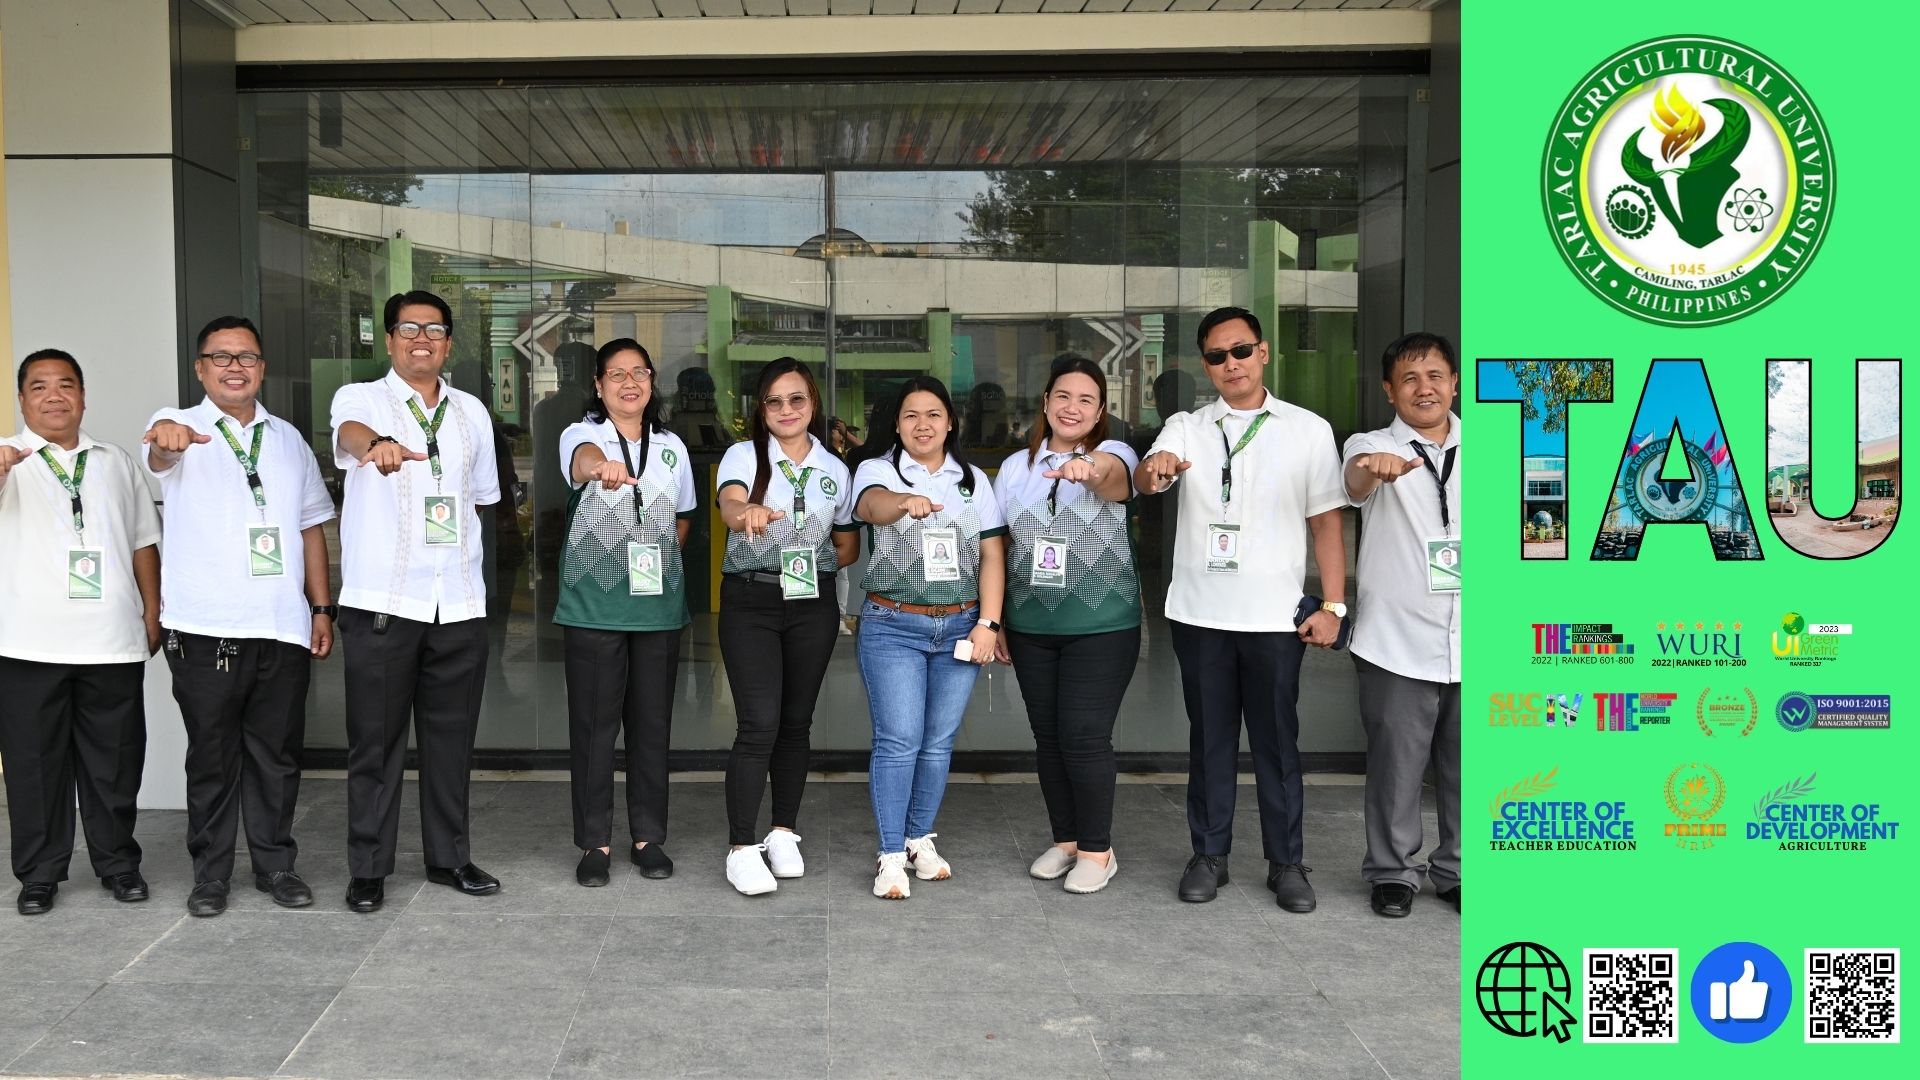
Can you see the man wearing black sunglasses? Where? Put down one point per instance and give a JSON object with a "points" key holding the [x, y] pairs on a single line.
{"points": [[1259, 467]]}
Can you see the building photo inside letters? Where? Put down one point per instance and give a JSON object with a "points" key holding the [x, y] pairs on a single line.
{"points": [[976, 485]]}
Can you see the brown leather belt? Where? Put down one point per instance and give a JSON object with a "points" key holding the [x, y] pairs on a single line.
{"points": [[935, 610]]}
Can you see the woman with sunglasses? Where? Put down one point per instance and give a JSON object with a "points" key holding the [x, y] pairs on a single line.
{"points": [[623, 603], [935, 584], [789, 514], [1073, 612]]}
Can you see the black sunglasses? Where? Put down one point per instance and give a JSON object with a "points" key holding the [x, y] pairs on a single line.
{"points": [[1219, 356]]}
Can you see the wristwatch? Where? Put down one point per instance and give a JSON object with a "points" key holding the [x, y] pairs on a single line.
{"points": [[1339, 610], [989, 624], [331, 611]]}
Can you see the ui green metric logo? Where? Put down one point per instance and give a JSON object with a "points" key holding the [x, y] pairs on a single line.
{"points": [[1688, 181]]}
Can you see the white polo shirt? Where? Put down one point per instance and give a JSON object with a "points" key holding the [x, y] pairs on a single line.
{"points": [[37, 621], [1287, 474], [1398, 624], [829, 498], [206, 584], [896, 568], [386, 565]]}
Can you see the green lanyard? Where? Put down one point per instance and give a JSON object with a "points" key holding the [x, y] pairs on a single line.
{"points": [[1226, 466], [72, 485], [799, 491], [432, 429], [249, 462]]}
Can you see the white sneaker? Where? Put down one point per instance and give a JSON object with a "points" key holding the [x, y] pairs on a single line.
{"points": [[927, 863], [783, 851], [890, 877], [747, 871]]}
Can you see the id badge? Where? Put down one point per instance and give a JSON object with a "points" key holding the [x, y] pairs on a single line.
{"points": [[441, 514], [265, 555], [644, 576], [1223, 549], [940, 554], [1049, 562], [1443, 565], [86, 568], [799, 574]]}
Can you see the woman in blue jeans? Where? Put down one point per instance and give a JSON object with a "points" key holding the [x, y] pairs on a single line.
{"points": [[935, 582]]}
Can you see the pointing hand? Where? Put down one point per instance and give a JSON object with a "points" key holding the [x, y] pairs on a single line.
{"points": [[389, 456], [173, 437]]}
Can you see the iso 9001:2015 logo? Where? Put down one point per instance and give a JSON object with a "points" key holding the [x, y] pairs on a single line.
{"points": [[1688, 180]]}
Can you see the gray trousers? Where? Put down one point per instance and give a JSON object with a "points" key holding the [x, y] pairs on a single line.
{"points": [[1410, 723]]}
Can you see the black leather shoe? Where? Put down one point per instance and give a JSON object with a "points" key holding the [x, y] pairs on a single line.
{"points": [[1203, 878], [36, 897], [285, 887], [366, 894], [1393, 899], [1451, 896], [1290, 889], [653, 862], [592, 871], [128, 888], [208, 898], [469, 879]]}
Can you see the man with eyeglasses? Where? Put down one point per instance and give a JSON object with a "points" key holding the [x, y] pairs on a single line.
{"points": [[246, 609], [79, 616], [419, 462], [1251, 469]]}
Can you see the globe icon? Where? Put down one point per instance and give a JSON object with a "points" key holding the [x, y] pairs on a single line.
{"points": [[1793, 623], [1511, 982]]}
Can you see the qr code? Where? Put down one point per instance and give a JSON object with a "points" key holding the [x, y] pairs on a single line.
{"points": [[1630, 996], [1853, 995]]}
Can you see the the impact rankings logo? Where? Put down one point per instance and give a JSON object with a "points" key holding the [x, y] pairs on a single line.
{"points": [[1688, 182]]}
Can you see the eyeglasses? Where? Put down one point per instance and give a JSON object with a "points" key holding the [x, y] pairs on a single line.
{"points": [[796, 402], [638, 376], [410, 330], [1240, 352], [228, 359]]}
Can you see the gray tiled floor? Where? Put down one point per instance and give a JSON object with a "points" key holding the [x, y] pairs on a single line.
{"points": [[989, 974]]}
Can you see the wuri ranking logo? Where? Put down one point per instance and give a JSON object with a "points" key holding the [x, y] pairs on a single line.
{"points": [[1688, 180]]}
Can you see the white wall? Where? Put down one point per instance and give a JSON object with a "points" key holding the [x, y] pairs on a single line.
{"points": [[90, 240]]}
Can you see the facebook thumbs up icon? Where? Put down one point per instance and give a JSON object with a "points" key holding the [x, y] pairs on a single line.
{"points": [[1741, 992], [1743, 1000]]}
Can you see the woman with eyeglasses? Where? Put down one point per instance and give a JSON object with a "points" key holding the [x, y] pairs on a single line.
{"points": [[623, 605], [1073, 612], [785, 500], [935, 583]]}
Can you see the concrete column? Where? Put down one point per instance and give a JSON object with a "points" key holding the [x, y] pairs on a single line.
{"points": [[122, 222]]}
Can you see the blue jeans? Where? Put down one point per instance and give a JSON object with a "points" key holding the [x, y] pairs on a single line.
{"points": [[917, 693]]}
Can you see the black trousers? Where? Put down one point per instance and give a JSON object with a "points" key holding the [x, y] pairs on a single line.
{"points": [[619, 680], [776, 652], [69, 725], [428, 673], [1227, 674], [1072, 686], [246, 728]]}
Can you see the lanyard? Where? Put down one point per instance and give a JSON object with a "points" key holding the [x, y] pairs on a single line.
{"points": [[249, 462], [432, 430], [799, 491], [1053, 493], [1226, 465], [72, 485], [626, 458], [1441, 476]]}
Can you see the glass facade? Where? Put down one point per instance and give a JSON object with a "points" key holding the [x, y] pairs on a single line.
{"points": [[972, 230]]}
